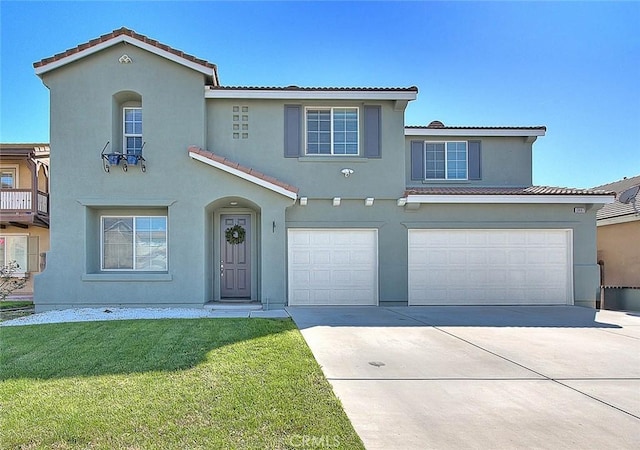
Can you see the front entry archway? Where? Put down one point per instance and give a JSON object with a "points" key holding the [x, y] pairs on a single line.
{"points": [[235, 256]]}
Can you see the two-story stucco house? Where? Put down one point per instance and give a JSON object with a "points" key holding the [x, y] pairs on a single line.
{"points": [[174, 190], [24, 209]]}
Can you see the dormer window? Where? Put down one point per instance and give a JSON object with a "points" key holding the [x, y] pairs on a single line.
{"points": [[132, 144]]}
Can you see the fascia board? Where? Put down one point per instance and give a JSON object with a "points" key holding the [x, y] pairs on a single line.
{"points": [[617, 220], [245, 176], [427, 132], [513, 199], [307, 94], [129, 40]]}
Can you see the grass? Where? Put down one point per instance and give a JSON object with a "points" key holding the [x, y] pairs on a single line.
{"points": [[12, 309], [10, 304], [157, 384]]}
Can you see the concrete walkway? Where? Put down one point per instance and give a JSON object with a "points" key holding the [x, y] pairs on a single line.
{"points": [[482, 377]]}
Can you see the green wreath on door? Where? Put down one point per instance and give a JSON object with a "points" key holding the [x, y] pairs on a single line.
{"points": [[235, 235]]}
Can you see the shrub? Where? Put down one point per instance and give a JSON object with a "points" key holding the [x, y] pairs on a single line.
{"points": [[9, 282]]}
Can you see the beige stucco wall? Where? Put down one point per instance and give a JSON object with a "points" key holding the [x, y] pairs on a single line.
{"points": [[619, 248], [24, 174], [43, 244]]}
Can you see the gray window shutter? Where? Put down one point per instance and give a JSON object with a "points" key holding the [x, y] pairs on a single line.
{"points": [[372, 125], [474, 160], [292, 131], [417, 160], [33, 254]]}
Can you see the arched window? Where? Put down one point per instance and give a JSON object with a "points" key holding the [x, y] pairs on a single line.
{"points": [[127, 124]]}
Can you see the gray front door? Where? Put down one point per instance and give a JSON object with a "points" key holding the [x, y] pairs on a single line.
{"points": [[235, 256]]}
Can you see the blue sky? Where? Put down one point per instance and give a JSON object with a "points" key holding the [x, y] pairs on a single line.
{"points": [[572, 66]]}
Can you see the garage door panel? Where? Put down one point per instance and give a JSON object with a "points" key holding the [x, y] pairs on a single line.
{"points": [[489, 267], [320, 277], [301, 277], [320, 256], [301, 257], [341, 267]]}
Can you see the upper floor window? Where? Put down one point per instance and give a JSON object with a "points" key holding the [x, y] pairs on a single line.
{"points": [[8, 176], [332, 131], [445, 160], [132, 143]]}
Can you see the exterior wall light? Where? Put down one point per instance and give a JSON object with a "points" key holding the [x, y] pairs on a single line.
{"points": [[303, 201], [368, 201], [336, 201], [346, 172]]}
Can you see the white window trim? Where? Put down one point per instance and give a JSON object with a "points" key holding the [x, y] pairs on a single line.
{"points": [[133, 270], [446, 161], [23, 273], [125, 135], [331, 108], [16, 173]]}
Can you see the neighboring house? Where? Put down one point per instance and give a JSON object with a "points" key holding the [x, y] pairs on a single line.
{"points": [[24, 217], [290, 196], [619, 245]]}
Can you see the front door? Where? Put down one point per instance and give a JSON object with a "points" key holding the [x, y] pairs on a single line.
{"points": [[235, 256]]}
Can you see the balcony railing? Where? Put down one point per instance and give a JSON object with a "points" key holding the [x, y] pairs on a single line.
{"points": [[24, 201]]}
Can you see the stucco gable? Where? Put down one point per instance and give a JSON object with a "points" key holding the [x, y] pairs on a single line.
{"points": [[130, 37]]}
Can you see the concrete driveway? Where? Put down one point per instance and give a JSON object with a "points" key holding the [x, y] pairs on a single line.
{"points": [[481, 377]]}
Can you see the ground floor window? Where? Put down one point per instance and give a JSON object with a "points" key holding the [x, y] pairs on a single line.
{"points": [[134, 243], [21, 249]]}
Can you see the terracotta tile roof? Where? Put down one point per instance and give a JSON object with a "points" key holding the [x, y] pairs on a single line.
{"points": [[440, 126], [300, 88], [126, 32], [234, 165], [531, 190], [617, 209]]}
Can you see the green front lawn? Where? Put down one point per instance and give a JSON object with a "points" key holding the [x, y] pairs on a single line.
{"points": [[10, 304], [201, 383]]}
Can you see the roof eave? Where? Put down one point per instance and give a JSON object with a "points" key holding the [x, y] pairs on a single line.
{"points": [[312, 94], [486, 132], [511, 199], [618, 219]]}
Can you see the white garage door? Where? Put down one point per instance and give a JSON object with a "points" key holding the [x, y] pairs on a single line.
{"points": [[333, 267], [490, 267]]}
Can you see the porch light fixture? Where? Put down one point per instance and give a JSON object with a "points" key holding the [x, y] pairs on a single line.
{"points": [[233, 203], [346, 172], [336, 201], [303, 201], [402, 201], [368, 201]]}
